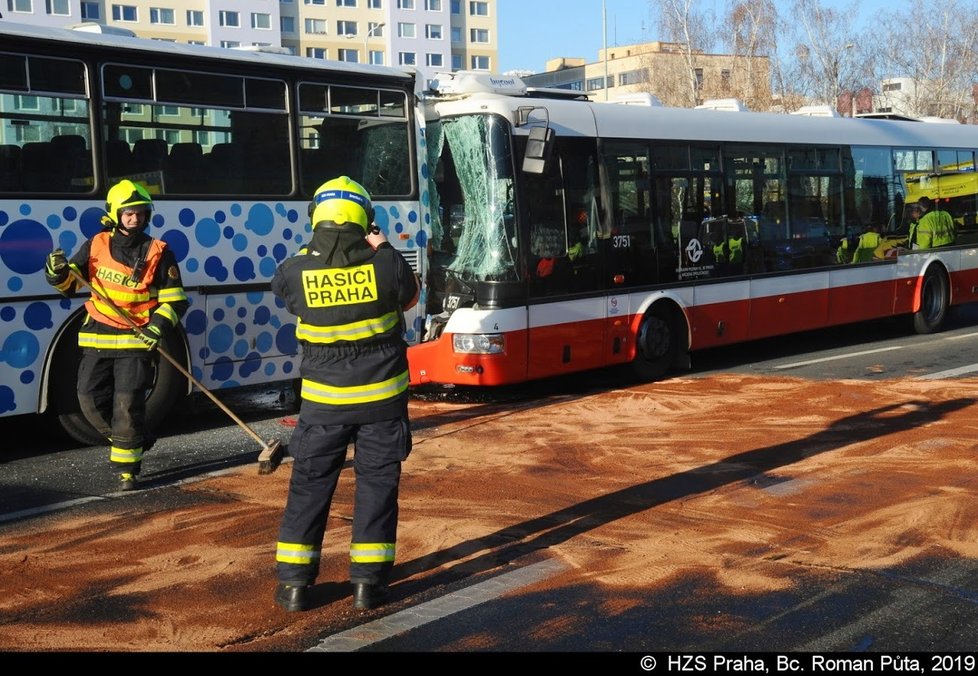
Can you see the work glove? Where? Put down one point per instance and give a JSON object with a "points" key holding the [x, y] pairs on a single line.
{"points": [[150, 336], [56, 262]]}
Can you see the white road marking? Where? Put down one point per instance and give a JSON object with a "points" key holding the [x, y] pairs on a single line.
{"points": [[835, 358], [412, 618]]}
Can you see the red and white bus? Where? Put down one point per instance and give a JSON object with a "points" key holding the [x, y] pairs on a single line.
{"points": [[569, 235]]}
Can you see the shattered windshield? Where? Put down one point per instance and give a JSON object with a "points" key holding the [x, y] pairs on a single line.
{"points": [[471, 191]]}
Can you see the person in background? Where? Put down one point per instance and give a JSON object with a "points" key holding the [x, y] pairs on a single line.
{"points": [[348, 288], [140, 275], [935, 227]]}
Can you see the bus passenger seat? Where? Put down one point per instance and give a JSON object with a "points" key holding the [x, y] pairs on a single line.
{"points": [[149, 154], [224, 167], [74, 161], [10, 180], [118, 159], [36, 163], [184, 167]]}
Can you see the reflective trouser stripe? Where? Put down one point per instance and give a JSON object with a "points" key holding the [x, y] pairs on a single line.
{"points": [[125, 455], [291, 552], [357, 394], [371, 552], [122, 341]]}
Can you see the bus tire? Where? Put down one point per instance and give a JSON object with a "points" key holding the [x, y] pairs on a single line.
{"points": [[168, 387], [656, 344], [934, 300]]}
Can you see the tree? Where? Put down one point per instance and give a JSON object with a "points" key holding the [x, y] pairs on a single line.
{"points": [[828, 54], [693, 31], [937, 52], [753, 30]]}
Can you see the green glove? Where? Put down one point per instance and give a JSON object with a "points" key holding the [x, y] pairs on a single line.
{"points": [[56, 262], [150, 336]]}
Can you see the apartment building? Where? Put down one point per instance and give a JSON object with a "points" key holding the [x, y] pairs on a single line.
{"points": [[659, 68], [431, 35]]}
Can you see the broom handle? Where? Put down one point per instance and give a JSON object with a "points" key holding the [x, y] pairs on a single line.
{"points": [[166, 355]]}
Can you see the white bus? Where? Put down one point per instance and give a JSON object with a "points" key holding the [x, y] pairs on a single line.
{"points": [[569, 235], [231, 144]]}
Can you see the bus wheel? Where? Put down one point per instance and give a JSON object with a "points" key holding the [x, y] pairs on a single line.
{"points": [[168, 386], [934, 299], [657, 344]]}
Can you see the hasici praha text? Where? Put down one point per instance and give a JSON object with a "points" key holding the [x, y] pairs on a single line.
{"points": [[345, 286], [835, 663]]}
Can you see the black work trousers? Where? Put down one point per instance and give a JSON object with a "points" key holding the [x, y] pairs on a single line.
{"points": [[112, 396], [319, 452]]}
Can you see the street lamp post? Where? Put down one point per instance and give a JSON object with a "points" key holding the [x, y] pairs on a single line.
{"points": [[370, 33]]}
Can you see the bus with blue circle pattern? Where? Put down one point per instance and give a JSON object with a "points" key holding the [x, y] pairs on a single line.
{"points": [[231, 144]]}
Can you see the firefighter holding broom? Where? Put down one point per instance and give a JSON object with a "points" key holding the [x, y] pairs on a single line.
{"points": [[140, 277]]}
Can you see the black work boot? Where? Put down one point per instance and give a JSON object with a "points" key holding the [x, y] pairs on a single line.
{"points": [[369, 596], [292, 597], [127, 481]]}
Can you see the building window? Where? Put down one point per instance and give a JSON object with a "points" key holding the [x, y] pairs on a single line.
{"points": [[195, 17], [407, 58], [405, 4], [478, 35], [161, 15], [346, 27], [598, 83], [631, 77], [405, 30], [261, 21], [287, 24], [229, 19], [457, 8], [57, 7], [20, 6], [435, 60], [230, 44], [346, 3], [375, 30], [375, 4], [376, 57], [316, 52], [433, 31], [478, 8], [91, 11], [456, 62], [432, 5], [315, 2], [124, 13], [349, 55], [315, 26], [480, 62], [892, 87], [456, 34]]}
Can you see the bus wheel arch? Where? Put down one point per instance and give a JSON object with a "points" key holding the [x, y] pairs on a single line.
{"points": [[659, 341], [61, 405], [935, 299]]}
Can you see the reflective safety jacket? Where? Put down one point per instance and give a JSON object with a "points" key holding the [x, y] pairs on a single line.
{"points": [[936, 228], [350, 325], [140, 277]]}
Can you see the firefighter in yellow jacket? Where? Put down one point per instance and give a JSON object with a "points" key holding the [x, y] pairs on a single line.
{"points": [[140, 275], [348, 288]]}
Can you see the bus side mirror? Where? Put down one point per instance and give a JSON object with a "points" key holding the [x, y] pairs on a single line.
{"points": [[539, 146]]}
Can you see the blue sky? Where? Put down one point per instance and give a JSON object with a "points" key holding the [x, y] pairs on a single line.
{"points": [[532, 31]]}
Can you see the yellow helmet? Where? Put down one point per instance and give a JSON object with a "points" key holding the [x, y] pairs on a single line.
{"points": [[123, 194], [342, 200]]}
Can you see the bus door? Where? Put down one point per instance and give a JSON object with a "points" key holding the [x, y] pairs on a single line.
{"points": [[566, 313]]}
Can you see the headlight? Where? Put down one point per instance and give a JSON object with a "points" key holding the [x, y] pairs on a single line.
{"points": [[479, 343]]}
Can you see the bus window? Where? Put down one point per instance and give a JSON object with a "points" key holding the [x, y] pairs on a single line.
{"points": [[182, 132], [360, 132], [815, 203], [957, 191], [46, 137]]}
